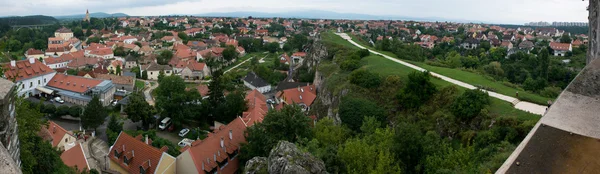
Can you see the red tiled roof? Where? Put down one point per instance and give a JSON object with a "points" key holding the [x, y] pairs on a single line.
{"points": [[302, 95], [206, 153], [32, 51], [25, 70], [101, 51], [138, 150], [560, 46], [75, 157], [202, 89], [122, 80], [83, 61], [299, 54], [73, 83], [56, 132]]}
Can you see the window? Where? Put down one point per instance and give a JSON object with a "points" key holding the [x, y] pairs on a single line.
{"points": [[117, 154], [151, 73], [125, 161], [44, 80], [39, 82], [66, 139], [30, 84], [142, 171], [22, 86]]}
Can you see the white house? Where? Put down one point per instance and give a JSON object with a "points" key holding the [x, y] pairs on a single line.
{"points": [[29, 75], [561, 49], [252, 81]]}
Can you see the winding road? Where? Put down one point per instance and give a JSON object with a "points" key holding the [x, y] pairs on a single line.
{"points": [[521, 105]]}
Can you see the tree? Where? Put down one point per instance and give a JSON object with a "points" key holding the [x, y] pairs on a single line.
{"points": [[164, 57], [544, 63], [75, 111], [139, 110], [114, 127], [78, 32], [370, 154], [174, 101], [353, 111], [417, 91], [288, 124], [408, 146], [469, 105], [272, 47], [235, 104], [93, 40], [118, 71], [327, 132], [145, 75], [230, 53], [120, 51], [94, 114], [365, 79], [138, 44], [565, 38], [88, 32]]}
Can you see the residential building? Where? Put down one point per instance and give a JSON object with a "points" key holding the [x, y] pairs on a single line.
{"points": [[304, 96], [63, 33], [298, 57], [76, 158], [126, 83], [33, 53], [506, 44], [130, 62], [135, 155], [219, 151], [58, 136], [29, 75], [114, 65], [192, 70], [154, 70], [285, 59], [80, 90], [105, 53], [561, 49], [526, 46], [470, 43], [253, 81], [63, 60], [9, 136]]}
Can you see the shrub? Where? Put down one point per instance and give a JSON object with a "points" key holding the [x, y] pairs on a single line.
{"points": [[365, 79], [350, 65], [469, 104], [550, 92]]}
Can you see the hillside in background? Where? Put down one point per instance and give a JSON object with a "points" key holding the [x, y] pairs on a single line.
{"points": [[93, 15], [28, 20]]}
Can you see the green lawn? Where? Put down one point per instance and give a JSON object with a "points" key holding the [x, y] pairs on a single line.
{"points": [[469, 77], [139, 84], [387, 67]]}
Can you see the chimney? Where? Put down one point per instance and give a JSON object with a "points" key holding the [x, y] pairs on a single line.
{"points": [[132, 153], [32, 60], [222, 143], [123, 147], [302, 90], [54, 129], [13, 63], [215, 157], [146, 139], [230, 134]]}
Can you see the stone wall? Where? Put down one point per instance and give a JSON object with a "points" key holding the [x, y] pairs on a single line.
{"points": [[594, 44], [9, 137]]}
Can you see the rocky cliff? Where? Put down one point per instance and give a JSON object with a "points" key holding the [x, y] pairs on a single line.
{"points": [[594, 44], [286, 158]]}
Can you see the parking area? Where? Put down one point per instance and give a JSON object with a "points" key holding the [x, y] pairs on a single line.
{"points": [[171, 136], [36, 100]]}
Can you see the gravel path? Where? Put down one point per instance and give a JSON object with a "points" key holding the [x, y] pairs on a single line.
{"points": [[521, 105]]}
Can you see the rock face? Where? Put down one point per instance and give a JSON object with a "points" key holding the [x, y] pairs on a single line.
{"points": [[286, 158], [594, 43]]}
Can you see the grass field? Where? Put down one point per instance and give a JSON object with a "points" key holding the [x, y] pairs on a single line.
{"points": [[385, 67], [139, 84], [469, 77]]}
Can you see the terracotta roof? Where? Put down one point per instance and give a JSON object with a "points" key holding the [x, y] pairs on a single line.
{"points": [[122, 80], [65, 57], [226, 139], [156, 67], [75, 157], [101, 51], [83, 61], [299, 54], [25, 70], [202, 89], [560, 46], [196, 43], [32, 51], [83, 73], [141, 153], [64, 30], [55, 132], [73, 83], [301, 95], [185, 53]]}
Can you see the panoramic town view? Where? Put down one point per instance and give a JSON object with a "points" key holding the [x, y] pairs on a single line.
{"points": [[311, 87]]}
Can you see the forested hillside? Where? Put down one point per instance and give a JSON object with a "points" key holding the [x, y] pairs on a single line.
{"points": [[28, 20]]}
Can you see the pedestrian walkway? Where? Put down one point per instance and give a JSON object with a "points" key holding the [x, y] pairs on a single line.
{"points": [[521, 105]]}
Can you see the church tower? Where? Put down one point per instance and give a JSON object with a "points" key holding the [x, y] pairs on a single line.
{"points": [[87, 16]]}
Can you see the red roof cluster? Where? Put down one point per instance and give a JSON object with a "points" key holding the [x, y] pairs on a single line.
{"points": [[75, 157], [225, 140], [301, 95], [73, 83], [138, 154], [25, 69]]}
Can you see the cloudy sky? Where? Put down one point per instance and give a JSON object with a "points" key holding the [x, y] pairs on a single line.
{"points": [[495, 11]]}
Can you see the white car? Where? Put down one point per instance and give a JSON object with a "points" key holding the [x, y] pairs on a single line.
{"points": [[184, 132], [185, 142], [59, 100]]}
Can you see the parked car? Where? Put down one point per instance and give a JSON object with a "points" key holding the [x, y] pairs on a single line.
{"points": [[58, 100], [184, 132], [185, 142], [269, 101], [114, 102], [164, 123]]}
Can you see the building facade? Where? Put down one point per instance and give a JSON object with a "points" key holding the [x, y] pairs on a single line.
{"points": [[28, 75]]}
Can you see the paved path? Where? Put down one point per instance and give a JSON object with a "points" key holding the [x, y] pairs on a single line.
{"points": [[521, 105], [148, 91], [234, 67]]}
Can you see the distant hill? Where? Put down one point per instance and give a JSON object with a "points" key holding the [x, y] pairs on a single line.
{"points": [[93, 15], [28, 20], [318, 14]]}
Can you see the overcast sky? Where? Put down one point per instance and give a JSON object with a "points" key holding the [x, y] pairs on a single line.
{"points": [[495, 11]]}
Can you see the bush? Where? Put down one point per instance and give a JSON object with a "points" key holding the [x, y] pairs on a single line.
{"points": [[61, 111], [365, 79], [75, 111], [363, 53], [438, 64], [469, 104], [550, 92], [350, 65]]}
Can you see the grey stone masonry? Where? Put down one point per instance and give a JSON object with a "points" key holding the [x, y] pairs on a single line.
{"points": [[9, 136]]}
